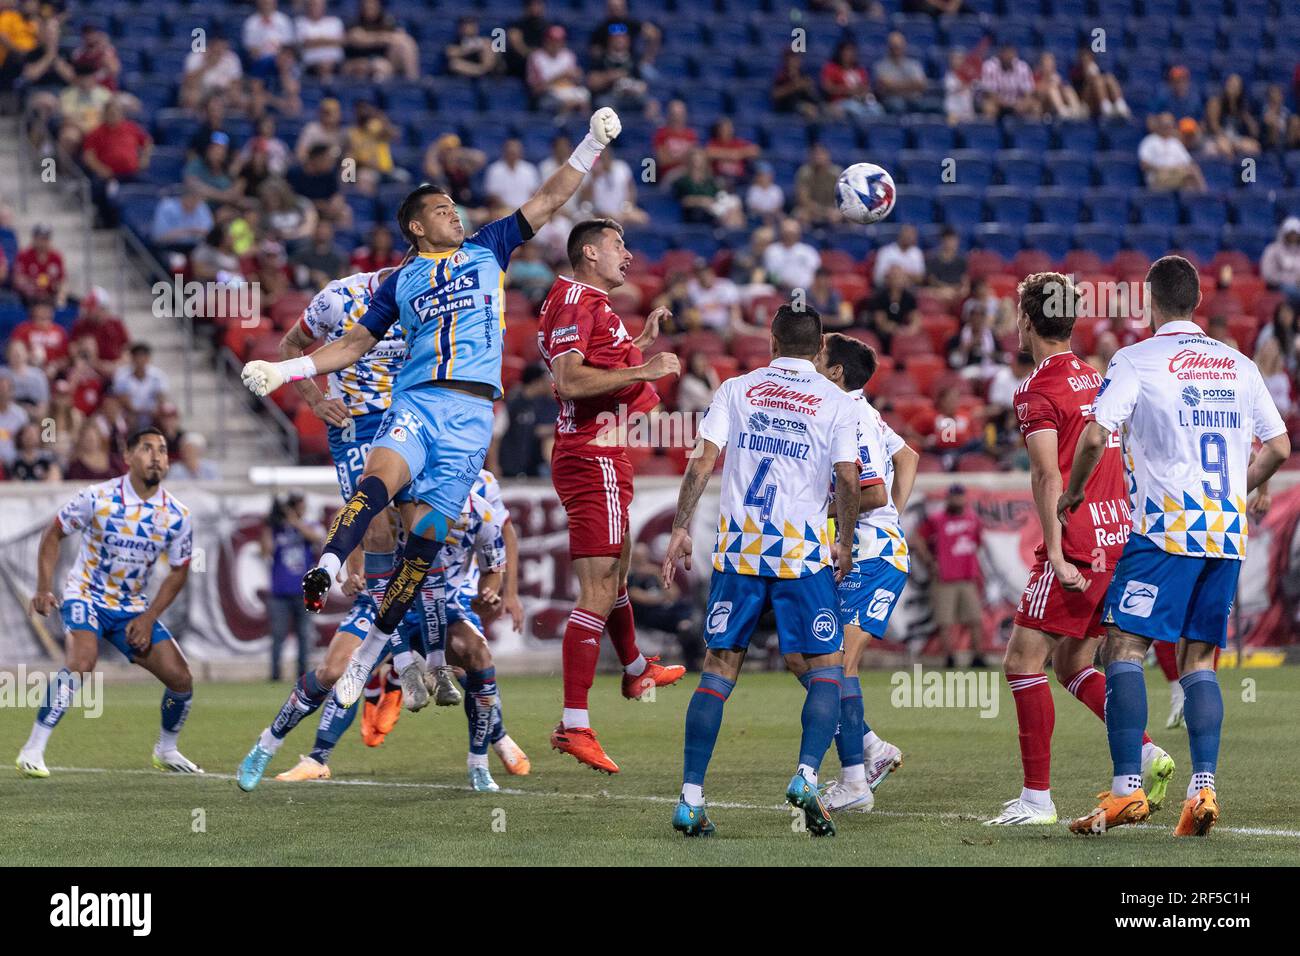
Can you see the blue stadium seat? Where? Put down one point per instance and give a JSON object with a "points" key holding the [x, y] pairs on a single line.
{"points": [[1247, 240], [1201, 241], [1098, 238], [930, 134], [1020, 168], [857, 244], [1011, 205], [962, 32], [1206, 210], [984, 136], [1156, 208], [1058, 204], [1252, 209], [885, 139], [1221, 175], [972, 168], [11, 315], [1078, 138], [959, 204], [1118, 170], [1033, 137], [920, 168], [166, 164], [914, 207], [1006, 241], [840, 139], [402, 98], [1050, 238], [1067, 169], [1121, 137], [1152, 240]]}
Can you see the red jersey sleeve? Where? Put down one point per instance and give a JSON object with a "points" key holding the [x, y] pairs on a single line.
{"points": [[1035, 412]]}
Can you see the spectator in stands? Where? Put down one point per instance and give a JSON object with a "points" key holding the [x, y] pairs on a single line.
{"points": [[95, 49], [46, 341], [1178, 97], [673, 143], [141, 384], [1279, 127], [1230, 122], [1002, 390], [451, 164], [1101, 91], [470, 54], [948, 545], [81, 106], [554, 76], [1216, 327], [793, 90], [729, 154], [252, 174], [935, 8], [13, 418], [1165, 161], [266, 142], [168, 421], [973, 351], [835, 310], [1055, 96], [286, 215], [945, 268], [698, 383], [96, 321], [814, 189], [1280, 264], [529, 273], [611, 189], [664, 608], [1274, 371], [846, 85], [38, 272], [114, 152], [64, 420], [215, 256], [524, 35], [900, 79], [891, 309], [266, 32], [318, 262], [213, 115], [641, 34], [318, 180], [959, 89], [702, 198], [902, 253], [714, 299], [81, 373], [370, 145], [1104, 349], [289, 543], [210, 176], [32, 460], [982, 299], [111, 420], [326, 129], [211, 71], [511, 180], [91, 456], [280, 93], [320, 36], [791, 262], [188, 463], [40, 68], [378, 252], [764, 199], [377, 46], [1006, 86], [525, 448], [616, 77], [1282, 329], [31, 386], [953, 429], [271, 272], [748, 267]]}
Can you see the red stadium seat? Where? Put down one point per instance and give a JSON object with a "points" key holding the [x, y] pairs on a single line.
{"points": [[1130, 261], [288, 309], [907, 344], [1078, 261], [927, 303], [677, 260], [977, 461], [925, 370], [521, 337], [313, 440], [838, 262], [702, 340], [884, 369], [1085, 335], [763, 307], [240, 338], [649, 285], [895, 384], [726, 366], [288, 400], [751, 349], [867, 336], [983, 262], [1239, 261], [929, 463], [1003, 284], [1245, 329], [911, 407], [659, 465], [1267, 304], [1247, 289], [512, 371], [940, 328], [851, 286], [1031, 260]]}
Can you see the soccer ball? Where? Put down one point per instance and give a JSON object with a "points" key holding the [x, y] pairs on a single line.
{"points": [[865, 193]]}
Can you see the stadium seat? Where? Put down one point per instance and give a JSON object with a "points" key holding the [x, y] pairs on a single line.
{"points": [[1101, 239], [1067, 169], [940, 328], [1130, 262], [1152, 240], [1011, 205], [313, 439], [1156, 208], [1003, 240], [1050, 238], [1079, 261], [1118, 170], [925, 370], [959, 204], [907, 344], [1060, 205], [972, 168], [981, 136]]}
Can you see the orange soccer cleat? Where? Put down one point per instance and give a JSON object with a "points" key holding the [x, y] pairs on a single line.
{"points": [[390, 708], [1200, 813], [581, 744], [1113, 811], [370, 734], [654, 675]]}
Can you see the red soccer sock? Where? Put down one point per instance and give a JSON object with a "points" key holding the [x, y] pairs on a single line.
{"points": [[581, 651], [1167, 658], [1036, 717], [1089, 687], [622, 629]]}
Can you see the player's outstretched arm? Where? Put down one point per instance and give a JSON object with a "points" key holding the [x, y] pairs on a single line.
{"points": [[564, 182], [1267, 460], [906, 463], [848, 495], [47, 556], [263, 378], [574, 378], [332, 411], [1045, 484], [694, 482], [1086, 455]]}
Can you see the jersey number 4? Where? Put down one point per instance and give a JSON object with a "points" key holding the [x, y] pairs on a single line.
{"points": [[760, 495]]}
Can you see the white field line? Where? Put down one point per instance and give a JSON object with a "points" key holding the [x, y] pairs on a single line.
{"points": [[633, 798]]}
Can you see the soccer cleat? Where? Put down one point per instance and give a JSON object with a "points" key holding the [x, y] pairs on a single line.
{"points": [[581, 744], [306, 769], [513, 757], [841, 795], [252, 767], [1200, 813], [654, 675], [882, 759], [804, 796], [414, 694], [441, 683], [173, 761], [692, 821], [31, 764], [387, 712], [352, 684], [1113, 811], [1156, 774], [315, 588], [371, 735], [1021, 813], [480, 780]]}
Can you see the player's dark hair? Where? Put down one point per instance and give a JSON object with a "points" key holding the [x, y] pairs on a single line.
{"points": [[857, 358], [411, 205], [134, 438], [1174, 286], [798, 332], [1051, 302], [585, 233]]}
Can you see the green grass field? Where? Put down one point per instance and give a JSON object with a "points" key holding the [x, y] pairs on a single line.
{"points": [[407, 802]]}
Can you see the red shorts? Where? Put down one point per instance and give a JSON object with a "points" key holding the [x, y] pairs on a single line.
{"points": [[1048, 607], [595, 492]]}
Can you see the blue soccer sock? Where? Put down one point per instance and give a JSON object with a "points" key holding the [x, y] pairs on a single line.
{"points": [[703, 721], [418, 558], [498, 720], [431, 607], [848, 739], [1203, 713], [58, 698], [175, 709], [335, 719], [351, 522], [480, 702], [304, 699], [379, 570], [821, 715], [1126, 720]]}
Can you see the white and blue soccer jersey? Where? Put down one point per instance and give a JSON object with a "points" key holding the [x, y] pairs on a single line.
{"points": [[122, 537], [878, 533], [1187, 409], [476, 546], [783, 427], [365, 387], [451, 306], [489, 488]]}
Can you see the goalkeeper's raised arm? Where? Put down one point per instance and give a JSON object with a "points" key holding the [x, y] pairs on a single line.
{"points": [[263, 378], [564, 182]]}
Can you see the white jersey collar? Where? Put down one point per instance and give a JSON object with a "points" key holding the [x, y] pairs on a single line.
{"points": [[1180, 327], [792, 364]]}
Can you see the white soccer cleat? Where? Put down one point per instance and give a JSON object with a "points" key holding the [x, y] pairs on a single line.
{"points": [[305, 769], [1175, 706], [842, 795], [352, 683], [31, 763], [415, 695], [882, 759], [442, 684], [1020, 813], [262, 378], [173, 761], [605, 125]]}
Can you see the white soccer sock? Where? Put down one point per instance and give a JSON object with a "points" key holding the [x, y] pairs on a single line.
{"points": [[373, 647], [166, 741], [269, 742], [477, 760], [1121, 785], [402, 660], [693, 794], [1199, 780], [1036, 798], [331, 563], [1148, 752], [572, 718], [38, 738], [636, 668], [855, 773], [869, 740], [1176, 693], [435, 659], [809, 773]]}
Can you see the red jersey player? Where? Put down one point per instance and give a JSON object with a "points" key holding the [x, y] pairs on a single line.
{"points": [[1059, 615], [600, 380]]}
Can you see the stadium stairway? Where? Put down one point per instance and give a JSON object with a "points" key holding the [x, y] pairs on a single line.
{"points": [[237, 438]]}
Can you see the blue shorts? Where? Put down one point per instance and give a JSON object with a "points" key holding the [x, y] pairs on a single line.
{"points": [[349, 448], [1166, 597], [108, 624], [807, 612], [458, 609], [443, 436], [869, 595]]}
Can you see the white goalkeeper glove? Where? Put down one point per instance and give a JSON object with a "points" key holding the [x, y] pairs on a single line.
{"points": [[263, 378], [605, 127]]}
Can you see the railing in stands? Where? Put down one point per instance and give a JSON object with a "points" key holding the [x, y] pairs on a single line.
{"points": [[129, 245], [68, 177], [228, 364]]}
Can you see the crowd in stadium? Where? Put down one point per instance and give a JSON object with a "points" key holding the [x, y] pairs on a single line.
{"points": [[273, 146]]}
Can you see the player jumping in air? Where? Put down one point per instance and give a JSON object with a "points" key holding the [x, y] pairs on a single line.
{"points": [[1187, 409], [1059, 615], [785, 428], [126, 524], [869, 594], [434, 437], [600, 381]]}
